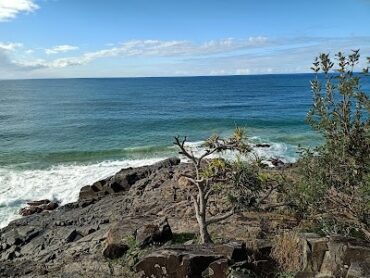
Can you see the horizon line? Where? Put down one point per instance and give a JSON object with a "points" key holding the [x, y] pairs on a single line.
{"points": [[164, 76]]}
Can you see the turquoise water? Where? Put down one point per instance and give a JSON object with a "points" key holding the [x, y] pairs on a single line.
{"points": [[58, 135], [47, 122]]}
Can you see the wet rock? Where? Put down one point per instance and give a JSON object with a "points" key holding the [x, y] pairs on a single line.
{"points": [[51, 206], [38, 207], [263, 145], [277, 162], [39, 203], [30, 210]]}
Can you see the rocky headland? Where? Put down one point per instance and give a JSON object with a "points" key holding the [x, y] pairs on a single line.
{"points": [[140, 223]]}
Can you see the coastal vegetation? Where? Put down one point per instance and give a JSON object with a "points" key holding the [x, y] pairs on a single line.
{"points": [[333, 179], [208, 174], [244, 186]]}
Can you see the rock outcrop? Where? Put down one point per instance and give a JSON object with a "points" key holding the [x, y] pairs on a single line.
{"points": [[94, 236], [334, 257]]}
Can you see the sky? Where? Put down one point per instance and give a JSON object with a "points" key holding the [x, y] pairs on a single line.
{"points": [[132, 38]]}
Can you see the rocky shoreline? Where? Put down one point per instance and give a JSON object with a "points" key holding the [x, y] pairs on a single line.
{"points": [[142, 220]]}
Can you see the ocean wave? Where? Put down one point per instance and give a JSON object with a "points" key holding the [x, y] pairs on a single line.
{"points": [[45, 159], [61, 182], [286, 153]]}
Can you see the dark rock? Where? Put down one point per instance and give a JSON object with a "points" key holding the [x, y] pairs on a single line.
{"points": [[277, 162], [72, 236], [38, 207], [70, 241], [263, 145], [154, 234], [104, 221], [177, 262], [217, 269], [51, 206], [123, 180], [88, 193], [89, 230], [115, 250], [38, 203], [235, 251], [30, 210]]}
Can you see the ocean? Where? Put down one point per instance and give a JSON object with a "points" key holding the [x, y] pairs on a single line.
{"points": [[58, 135]]}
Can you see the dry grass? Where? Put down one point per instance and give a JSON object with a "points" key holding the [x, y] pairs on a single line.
{"points": [[287, 251]]}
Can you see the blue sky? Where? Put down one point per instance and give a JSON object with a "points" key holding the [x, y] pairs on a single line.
{"points": [[113, 38]]}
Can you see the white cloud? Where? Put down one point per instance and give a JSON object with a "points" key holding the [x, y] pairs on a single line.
{"points": [[156, 48], [9, 9], [254, 55], [10, 46], [8, 66], [242, 71], [60, 49]]}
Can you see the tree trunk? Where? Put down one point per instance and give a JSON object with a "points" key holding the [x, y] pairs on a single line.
{"points": [[200, 204], [204, 235]]}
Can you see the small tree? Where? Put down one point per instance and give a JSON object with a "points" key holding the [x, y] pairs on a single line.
{"points": [[336, 175], [209, 174], [341, 115]]}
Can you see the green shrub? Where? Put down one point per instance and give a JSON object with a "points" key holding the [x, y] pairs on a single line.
{"points": [[335, 177]]}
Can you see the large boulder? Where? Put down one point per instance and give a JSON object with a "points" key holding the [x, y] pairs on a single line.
{"points": [[334, 256], [192, 260], [115, 246], [115, 250], [177, 262]]}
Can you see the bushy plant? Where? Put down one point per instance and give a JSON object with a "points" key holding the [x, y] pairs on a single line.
{"points": [[341, 114], [335, 177]]}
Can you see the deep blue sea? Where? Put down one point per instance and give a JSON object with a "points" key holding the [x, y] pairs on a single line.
{"points": [[58, 135]]}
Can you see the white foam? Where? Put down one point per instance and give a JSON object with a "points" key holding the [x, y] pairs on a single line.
{"points": [[62, 183], [284, 152]]}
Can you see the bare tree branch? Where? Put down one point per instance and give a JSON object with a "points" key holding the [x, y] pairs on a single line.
{"points": [[208, 193], [220, 218], [183, 151], [272, 189]]}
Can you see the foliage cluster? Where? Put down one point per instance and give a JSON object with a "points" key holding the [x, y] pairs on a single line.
{"points": [[240, 181], [334, 178]]}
